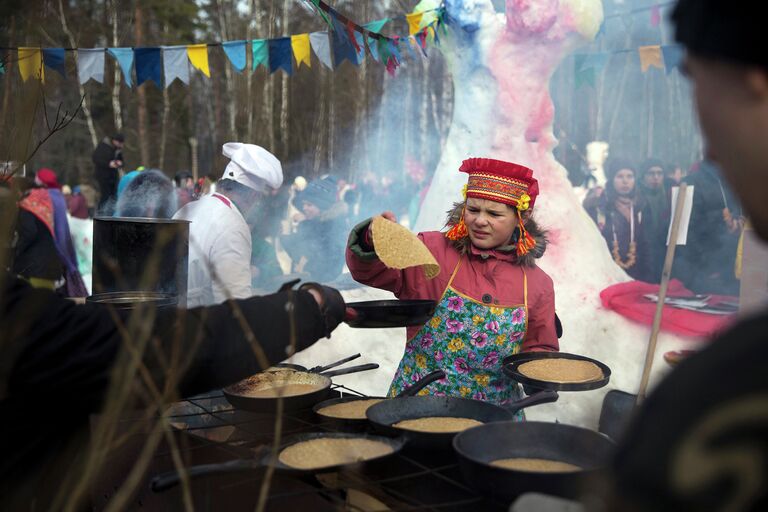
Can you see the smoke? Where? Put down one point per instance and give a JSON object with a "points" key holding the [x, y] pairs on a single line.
{"points": [[150, 195]]}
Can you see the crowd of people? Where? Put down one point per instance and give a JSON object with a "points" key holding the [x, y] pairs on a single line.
{"points": [[633, 209]]}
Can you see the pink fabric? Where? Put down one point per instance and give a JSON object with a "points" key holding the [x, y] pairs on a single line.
{"points": [[627, 300], [495, 275]]}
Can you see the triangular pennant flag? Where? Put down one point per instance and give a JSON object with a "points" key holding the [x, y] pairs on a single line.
{"points": [[360, 40], [373, 48], [595, 61], [627, 21], [280, 55], [655, 16], [394, 49], [422, 38], [376, 26], [90, 64], [148, 65], [31, 64], [175, 64], [673, 56], [198, 56], [300, 45], [54, 59], [235, 52], [428, 18], [352, 34], [411, 44], [601, 30], [583, 75], [321, 47], [124, 57], [322, 13], [414, 22], [260, 53], [650, 56], [341, 44]]}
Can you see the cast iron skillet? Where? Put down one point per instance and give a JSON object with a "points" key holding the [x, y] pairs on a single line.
{"points": [[264, 459], [390, 313], [510, 365], [384, 414], [236, 394], [478, 447], [348, 423]]}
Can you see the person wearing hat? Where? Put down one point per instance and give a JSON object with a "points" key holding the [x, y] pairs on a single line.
{"points": [[219, 237], [108, 160], [493, 301]]}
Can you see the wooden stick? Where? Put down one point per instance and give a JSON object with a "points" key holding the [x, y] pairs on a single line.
{"points": [[665, 275]]}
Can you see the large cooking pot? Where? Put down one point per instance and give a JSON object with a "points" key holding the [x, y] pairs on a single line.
{"points": [[140, 254], [132, 300]]}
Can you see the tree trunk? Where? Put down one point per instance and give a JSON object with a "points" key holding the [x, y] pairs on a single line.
{"points": [[229, 83], [81, 89], [117, 110], [284, 93], [141, 95]]}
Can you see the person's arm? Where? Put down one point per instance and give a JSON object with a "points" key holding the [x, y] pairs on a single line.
{"points": [[542, 335], [230, 261]]}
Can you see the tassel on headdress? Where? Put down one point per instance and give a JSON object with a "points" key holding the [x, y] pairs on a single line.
{"points": [[459, 230], [525, 242]]}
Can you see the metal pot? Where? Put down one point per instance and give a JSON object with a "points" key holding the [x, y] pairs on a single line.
{"points": [[132, 300], [139, 254]]}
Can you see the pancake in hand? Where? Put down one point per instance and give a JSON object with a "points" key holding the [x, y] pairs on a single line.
{"points": [[398, 248], [561, 370]]}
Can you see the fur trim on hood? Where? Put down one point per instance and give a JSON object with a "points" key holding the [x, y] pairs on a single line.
{"points": [[529, 260]]}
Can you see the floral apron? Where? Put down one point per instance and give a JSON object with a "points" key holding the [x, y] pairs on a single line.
{"points": [[468, 340]]}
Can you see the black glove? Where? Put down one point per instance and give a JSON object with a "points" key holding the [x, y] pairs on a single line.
{"points": [[332, 308]]}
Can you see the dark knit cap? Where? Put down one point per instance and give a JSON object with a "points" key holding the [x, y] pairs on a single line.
{"points": [[721, 29], [321, 193]]}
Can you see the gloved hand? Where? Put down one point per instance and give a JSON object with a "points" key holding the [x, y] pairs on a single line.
{"points": [[331, 303]]}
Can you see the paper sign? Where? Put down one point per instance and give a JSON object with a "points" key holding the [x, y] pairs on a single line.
{"points": [[685, 215]]}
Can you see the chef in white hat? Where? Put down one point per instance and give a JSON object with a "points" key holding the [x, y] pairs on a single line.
{"points": [[219, 238]]}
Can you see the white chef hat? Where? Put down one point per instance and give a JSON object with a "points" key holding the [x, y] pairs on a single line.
{"points": [[252, 166]]}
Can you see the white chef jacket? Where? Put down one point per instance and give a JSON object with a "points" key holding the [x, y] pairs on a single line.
{"points": [[219, 240]]}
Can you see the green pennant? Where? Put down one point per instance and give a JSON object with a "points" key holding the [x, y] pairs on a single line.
{"points": [[322, 13], [376, 26], [260, 52], [585, 76]]}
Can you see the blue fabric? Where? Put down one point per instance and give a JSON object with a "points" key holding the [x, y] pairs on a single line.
{"points": [[125, 181], [148, 65], [673, 56], [235, 51], [280, 55], [54, 59], [124, 57], [175, 64], [343, 49]]}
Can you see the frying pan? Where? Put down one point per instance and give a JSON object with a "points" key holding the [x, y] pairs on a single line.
{"points": [[355, 424], [264, 459], [511, 364], [384, 414], [236, 394], [390, 313], [477, 447]]}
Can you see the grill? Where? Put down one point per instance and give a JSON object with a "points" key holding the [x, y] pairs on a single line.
{"points": [[211, 430]]}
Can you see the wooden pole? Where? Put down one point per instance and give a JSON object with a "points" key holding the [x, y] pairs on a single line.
{"points": [[665, 275]]}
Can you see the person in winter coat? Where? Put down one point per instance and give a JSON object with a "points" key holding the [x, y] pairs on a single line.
{"points": [[108, 160], [657, 209], [219, 238], [317, 247], [493, 300]]}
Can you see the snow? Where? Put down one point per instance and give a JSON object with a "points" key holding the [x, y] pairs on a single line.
{"points": [[501, 69]]}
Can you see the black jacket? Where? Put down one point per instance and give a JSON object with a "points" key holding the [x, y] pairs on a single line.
{"points": [[57, 359]]}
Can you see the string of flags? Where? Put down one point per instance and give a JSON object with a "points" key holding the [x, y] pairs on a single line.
{"points": [[344, 40], [664, 57]]}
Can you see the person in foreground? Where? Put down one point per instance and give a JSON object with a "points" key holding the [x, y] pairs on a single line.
{"points": [[61, 362], [493, 301], [700, 440]]}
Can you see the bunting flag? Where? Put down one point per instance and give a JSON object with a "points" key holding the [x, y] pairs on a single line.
{"points": [[584, 74], [414, 22], [300, 45], [90, 64], [594, 61], [341, 45], [198, 56], [148, 65], [673, 57], [124, 58], [175, 64], [2, 62], [236, 53], [408, 46], [54, 59], [321, 47], [376, 26], [655, 16], [31, 64], [260, 53], [373, 48], [650, 56], [280, 55]]}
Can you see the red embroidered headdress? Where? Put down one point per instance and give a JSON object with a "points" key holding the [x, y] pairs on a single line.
{"points": [[503, 182]]}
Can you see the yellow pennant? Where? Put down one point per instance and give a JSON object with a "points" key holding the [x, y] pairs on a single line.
{"points": [[300, 45], [650, 56], [198, 56], [414, 22], [31, 64]]}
